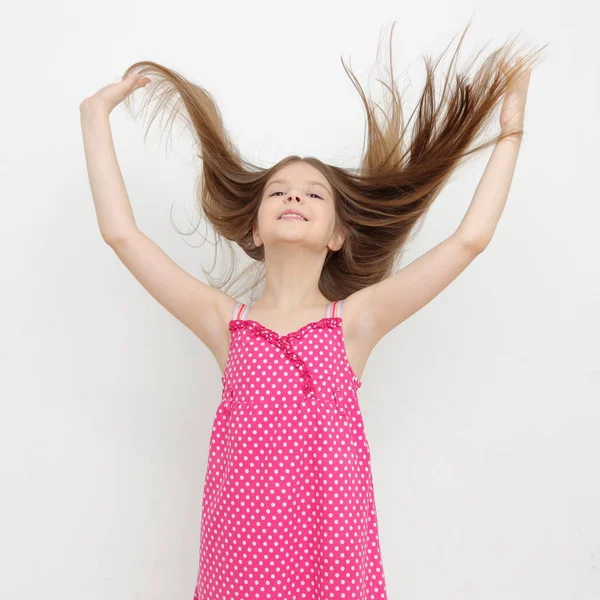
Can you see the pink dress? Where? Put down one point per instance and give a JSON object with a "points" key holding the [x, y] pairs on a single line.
{"points": [[288, 511]]}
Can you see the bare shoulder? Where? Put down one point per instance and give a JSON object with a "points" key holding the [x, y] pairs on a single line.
{"points": [[216, 335], [358, 330]]}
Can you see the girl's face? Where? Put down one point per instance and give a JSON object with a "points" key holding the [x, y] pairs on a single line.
{"points": [[302, 188]]}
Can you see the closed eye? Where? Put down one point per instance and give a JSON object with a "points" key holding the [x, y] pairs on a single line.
{"points": [[273, 194]]}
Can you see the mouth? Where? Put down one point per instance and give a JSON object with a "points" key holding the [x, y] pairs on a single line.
{"points": [[293, 215]]}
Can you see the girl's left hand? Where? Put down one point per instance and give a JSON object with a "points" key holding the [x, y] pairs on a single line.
{"points": [[512, 113]]}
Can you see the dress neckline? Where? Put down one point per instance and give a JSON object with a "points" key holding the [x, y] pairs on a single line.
{"points": [[325, 321], [284, 339]]}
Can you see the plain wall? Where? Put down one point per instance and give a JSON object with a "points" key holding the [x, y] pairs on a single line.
{"points": [[482, 410]]}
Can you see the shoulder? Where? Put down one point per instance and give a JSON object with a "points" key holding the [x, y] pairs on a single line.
{"points": [[357, 329], [226, 307], [357, 317], [217, 338]]}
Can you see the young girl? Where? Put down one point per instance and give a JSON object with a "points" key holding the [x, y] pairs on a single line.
{"points": [[288, 510]]}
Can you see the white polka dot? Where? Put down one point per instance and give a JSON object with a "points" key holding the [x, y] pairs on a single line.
{"points": [[288, 510]]}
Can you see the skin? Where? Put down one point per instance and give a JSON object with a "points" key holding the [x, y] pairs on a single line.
{"points": [[294, 250]]}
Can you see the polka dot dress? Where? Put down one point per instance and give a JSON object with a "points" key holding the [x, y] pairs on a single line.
{"points": [[288, 511]]}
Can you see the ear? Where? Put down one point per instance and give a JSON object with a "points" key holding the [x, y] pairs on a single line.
{"points": [[337, 241], [256, 235]]}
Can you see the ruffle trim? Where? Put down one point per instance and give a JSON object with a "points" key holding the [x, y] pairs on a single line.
{"points": [[284, 342], [330, 322]]}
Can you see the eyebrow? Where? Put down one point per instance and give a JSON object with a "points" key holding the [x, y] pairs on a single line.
{"points": [[309, 182]]}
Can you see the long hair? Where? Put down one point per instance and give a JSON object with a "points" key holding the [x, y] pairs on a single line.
{"points": [[379, 203]]}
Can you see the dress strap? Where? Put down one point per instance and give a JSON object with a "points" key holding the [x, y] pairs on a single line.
{"points": [[240, 310], [334, 309]]}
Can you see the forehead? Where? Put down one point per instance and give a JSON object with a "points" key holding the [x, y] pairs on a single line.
{"points": [[301, 175]]}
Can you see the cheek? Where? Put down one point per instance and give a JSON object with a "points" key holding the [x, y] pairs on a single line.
{"points": [[325, 214], [269, 207], [267, 212], [263, 209]]}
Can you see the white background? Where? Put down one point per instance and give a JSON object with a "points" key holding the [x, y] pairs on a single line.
{"points": [[482, 410]]}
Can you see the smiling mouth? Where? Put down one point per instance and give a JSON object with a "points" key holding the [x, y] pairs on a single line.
{"points": [[293, 216]]}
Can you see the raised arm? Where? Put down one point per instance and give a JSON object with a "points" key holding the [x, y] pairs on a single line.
{"points": [[387, 303], [202, 308]]}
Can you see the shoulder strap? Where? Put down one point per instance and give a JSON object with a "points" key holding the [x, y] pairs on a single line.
{"points": [[240, 310], [334, 309]]}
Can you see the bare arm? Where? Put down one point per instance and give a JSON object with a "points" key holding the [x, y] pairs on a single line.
{"points": [[200, 307], [388, 303], [384, 305], [113, 209], [484, 212]]}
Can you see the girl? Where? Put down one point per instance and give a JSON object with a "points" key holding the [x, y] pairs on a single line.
{"points": [[288, 510]]}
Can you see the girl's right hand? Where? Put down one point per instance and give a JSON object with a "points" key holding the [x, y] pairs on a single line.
{"points": [[109, 96]]}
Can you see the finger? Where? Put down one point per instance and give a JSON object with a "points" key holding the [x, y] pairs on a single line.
{"points": [[526, 79], [507, 65], [136, 81], [130, 80], [522, 84], [521, 76]]}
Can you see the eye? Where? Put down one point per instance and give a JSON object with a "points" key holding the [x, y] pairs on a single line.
{"points": [[274, 193]]}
